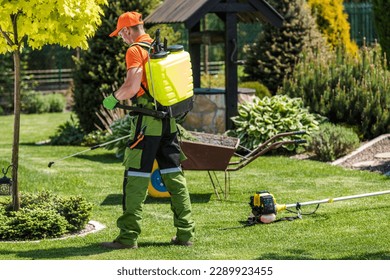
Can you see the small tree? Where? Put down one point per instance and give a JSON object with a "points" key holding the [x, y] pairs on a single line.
{"points": [[37, 23]]}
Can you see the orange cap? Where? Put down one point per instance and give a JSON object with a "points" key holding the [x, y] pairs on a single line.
{"points": [[127, 19]]}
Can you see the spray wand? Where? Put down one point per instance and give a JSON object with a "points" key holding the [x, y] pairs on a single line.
{"points": [[90, 149]]}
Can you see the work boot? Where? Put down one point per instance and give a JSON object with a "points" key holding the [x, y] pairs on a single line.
{"points": [[116, 245], [175, 241]]}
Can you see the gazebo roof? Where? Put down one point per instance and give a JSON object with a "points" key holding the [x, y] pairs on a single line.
{"points": [[190, 12]]}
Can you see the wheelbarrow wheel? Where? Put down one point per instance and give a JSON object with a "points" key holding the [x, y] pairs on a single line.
{"points": [[156, 187]]}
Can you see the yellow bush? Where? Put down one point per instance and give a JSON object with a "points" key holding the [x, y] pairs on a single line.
{"points": [[333, 24]]}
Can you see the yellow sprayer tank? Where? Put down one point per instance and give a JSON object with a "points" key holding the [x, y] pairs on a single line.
{"points": [[169, 76]]}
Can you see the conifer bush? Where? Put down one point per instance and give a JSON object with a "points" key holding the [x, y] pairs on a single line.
{"points": [[261, 90], [275, 52], [354, 91], [43, 215]]}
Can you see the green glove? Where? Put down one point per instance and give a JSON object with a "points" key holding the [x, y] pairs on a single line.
{"points": [[110, 102]]}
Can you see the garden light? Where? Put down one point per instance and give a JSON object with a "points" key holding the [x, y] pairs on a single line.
{"points": [[6, 183]]}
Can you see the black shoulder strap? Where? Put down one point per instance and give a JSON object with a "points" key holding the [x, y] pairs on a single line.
{"points": [[145, 45]]}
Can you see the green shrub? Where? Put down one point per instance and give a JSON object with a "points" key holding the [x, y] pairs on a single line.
{"points": [[261, 90], [76, 210], [345, 89], [28, 224], [56, 102], [94, 138], [331, 142], [264, 118], [69, 133], [43, 215], [34, 103]]}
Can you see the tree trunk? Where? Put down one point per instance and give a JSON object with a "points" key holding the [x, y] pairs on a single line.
{"points": [[15, 145], [17, 83]]}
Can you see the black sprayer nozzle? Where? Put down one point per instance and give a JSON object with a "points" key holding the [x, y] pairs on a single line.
{"points": [[50, 164]]}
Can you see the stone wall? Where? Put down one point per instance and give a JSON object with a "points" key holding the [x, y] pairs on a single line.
{"points": [[208, 114]]}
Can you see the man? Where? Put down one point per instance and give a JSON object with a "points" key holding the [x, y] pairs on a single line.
{"points": [[151, 138]]}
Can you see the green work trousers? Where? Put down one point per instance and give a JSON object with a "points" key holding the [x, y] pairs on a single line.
{"points": [[158, 141]]}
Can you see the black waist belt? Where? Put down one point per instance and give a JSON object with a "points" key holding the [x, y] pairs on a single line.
{"points": [[149, 112]]}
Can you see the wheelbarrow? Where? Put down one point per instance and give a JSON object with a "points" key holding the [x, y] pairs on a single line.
{"points": [[215, 153], [213, 157]]}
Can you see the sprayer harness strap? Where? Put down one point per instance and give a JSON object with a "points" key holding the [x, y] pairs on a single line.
{"points": [[146, 46], [144, 111]]}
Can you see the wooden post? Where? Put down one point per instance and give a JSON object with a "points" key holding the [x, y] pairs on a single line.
{"points": [[231, 84], [194, 49]]}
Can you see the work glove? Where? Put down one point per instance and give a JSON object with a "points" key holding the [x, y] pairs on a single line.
{"points": [[110, 102]]}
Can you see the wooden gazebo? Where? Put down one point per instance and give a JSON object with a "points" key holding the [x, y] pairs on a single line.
{"points": [[190, 12]]}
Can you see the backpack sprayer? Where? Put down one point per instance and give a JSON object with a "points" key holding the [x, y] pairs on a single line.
{"points": [[169, 77], [265, 208]]}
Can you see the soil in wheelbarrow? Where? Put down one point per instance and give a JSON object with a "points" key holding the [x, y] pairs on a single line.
{"points": [[214, 139], [208, 151]]}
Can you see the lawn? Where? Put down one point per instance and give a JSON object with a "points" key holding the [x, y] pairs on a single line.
{"points": [[349, 230]]}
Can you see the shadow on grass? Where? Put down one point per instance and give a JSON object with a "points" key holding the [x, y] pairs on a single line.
{"points": [[72, 252], [58, 253], [116, 199], [290, 255], [384, 255], [302, 255]]}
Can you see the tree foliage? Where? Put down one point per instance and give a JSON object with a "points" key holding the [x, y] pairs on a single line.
{"points": [[332, 22], [36, 23], [40, 22]]}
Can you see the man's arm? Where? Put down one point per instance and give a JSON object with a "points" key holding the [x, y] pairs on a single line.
{"points": [[128, 89], [131, 85]]}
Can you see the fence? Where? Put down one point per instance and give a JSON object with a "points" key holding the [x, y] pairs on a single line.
{"points": [[53, 80], [361, 19]]}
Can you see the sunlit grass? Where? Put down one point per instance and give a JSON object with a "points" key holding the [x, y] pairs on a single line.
{"points": [[353, 229]]}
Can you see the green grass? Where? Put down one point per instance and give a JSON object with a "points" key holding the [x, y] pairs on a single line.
{"points": [[353, 229]]}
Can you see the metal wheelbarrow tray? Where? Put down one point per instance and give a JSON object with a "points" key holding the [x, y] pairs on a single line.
{"points": [[214, 153]]}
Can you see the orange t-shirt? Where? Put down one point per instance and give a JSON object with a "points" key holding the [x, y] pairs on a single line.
{"points": [[136, 56]]}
